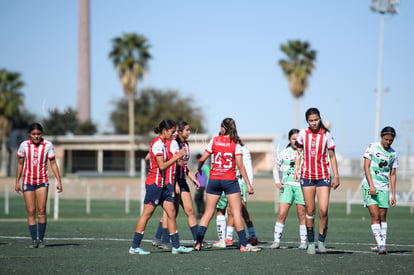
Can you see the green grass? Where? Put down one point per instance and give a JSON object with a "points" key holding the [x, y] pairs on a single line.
{"points": [[98, 243]]}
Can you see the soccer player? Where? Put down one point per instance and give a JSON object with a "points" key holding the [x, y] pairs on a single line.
{"points": [[158, 192], [33, 156], [225, 234], [316, 143], [290, 191], [380, 163], [182, 190], [162, 235], [226, 153]]}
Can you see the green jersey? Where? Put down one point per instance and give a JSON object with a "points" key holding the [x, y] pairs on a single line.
{"points": [[382, 161]]}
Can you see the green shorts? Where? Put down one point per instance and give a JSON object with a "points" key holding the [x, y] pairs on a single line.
{"points": [[290, 194], [222, 203], [382, 198]]}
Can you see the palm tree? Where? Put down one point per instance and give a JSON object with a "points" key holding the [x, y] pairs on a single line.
{"points": [[11, 99], [297, 68], [130, 57]]}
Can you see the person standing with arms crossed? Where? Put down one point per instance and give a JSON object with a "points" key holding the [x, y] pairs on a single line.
{"points": [[33, 156], [316, 143], [226, 153], [380, 164], [290, 191]]}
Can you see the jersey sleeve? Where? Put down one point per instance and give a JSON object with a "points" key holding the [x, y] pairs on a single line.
{"points": [[158, 149], [209, 148], [369, 152], [276, 167], [247, 162], [174, 148], [21, 153], [330, 141], [300, 137], [50, 150], [239, 150]]}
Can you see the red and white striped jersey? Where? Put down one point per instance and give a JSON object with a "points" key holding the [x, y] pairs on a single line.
{"points": [[224, 153], [315, 164], [181, 171], [35, 161], [155, 175], [172, 149]]}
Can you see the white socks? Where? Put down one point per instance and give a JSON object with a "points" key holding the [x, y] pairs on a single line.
{"points": [[279, 231], [221, 227]]}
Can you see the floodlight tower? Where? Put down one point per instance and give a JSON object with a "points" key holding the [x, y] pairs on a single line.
{"points": [[382, 7]]}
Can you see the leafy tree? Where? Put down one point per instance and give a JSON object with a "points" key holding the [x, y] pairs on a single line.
{"points": [[130, 56], [155, 105], [11, 100], [297, 68], [61, 123]]}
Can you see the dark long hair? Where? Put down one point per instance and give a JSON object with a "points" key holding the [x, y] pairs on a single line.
{"points": [[290, 134], [166, 124], [230, 128], [315, 111]]}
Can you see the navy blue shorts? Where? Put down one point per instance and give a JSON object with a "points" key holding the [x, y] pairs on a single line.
{"points": [[216, 187], [317, 183], [182, 183], [29, 187], [155, 195]]}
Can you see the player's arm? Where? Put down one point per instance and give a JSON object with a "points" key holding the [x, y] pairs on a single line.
{"points": [[393, 182], [242, 170], [367, 164], [19, 170], [334, 165], [298, 157], [163, 165], [55, 170]]}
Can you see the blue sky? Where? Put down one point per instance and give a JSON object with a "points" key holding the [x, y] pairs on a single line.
{"points": [[224, 54]]}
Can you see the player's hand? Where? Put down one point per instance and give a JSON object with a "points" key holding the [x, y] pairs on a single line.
{"points": [[335, 183], [279, 185], [250, 189], [59, 187], [197, 184], [297, 178], [18, 188], [372, 190], [393, 201]]}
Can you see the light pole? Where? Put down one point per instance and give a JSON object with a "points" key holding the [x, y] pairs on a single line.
{"points": [[382, 7]]}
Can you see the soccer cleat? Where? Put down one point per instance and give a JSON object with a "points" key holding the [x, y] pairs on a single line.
{"points": [[197, 247], [156, 242], [34, 244], [181, 249], [321, 247], [220, 244], [303, 245], [275, 245], [138, 251], [373, 248], [311, 249], [166, 246], [253, 241], [205, 245], [228, 241], [249, 248], [41, 244], [382, 250]]}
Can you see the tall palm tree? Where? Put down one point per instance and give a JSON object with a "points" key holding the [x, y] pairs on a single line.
{"points": [[297, 68], [130, 56], [11, 99]]}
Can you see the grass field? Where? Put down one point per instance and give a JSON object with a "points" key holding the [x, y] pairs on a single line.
{"points": [[98, 243]]}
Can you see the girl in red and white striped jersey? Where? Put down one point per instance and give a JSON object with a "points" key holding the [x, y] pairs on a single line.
{"points": [[33, 156], [316, 143]]}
